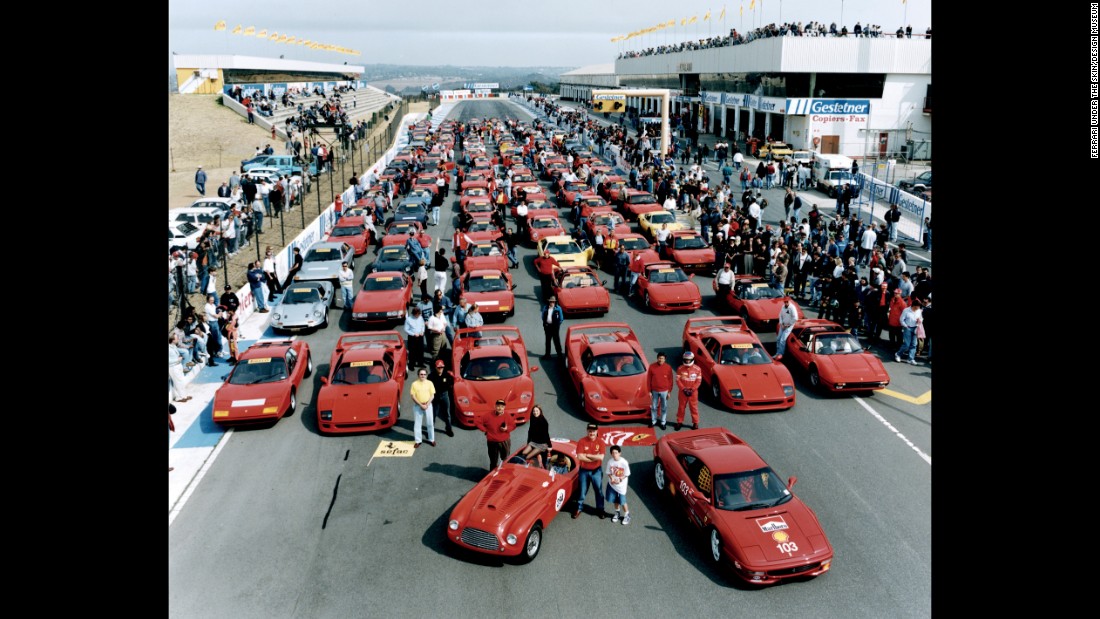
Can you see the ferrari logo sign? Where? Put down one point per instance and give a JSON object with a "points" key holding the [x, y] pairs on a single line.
{"points": [[394, 449], [638, 436]]}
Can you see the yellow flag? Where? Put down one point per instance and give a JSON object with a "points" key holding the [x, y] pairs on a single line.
{"points": [[220, 25], [262, 34], [283, 38], [684, 21], [752, 5], [722, 15], [237, 30], [274, 36], [671, 23], [292, 40], [249, 31], [693, 19], [707, 16]]}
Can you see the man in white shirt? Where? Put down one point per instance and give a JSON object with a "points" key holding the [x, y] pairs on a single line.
{"points": [[787, 317], [265, 190], [521, 218], [866, 244], [670, 203], [662, 235], [723, 281], [273, 280], [754, 214], [437, 330], [347, 281]]}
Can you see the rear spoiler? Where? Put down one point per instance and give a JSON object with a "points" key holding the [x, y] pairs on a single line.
{"points": [[381, 337], [482, 332], [603, 327], [697, 325]]}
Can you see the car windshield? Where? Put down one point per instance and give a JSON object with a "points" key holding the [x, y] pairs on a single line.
{"points": [[689, 242], [425, 180], [388, 282], [575, 187], [523, 178], [579, 280], [259, 370], [836, 344], [666, 276], [393, 253], [662, 218], [307, 294], [477, 191], [360, 373], [473, 178], [594, 202], [840, 176], [482, 226], [744, 354], [323, 254], [635, 243], [563, 248], [347, 230], [545, 222], [616, 364], [491, 368], [486, 283], [749, 490], [757, 291], [484, 250], [401, 229], [479, 206], [643, 199]]}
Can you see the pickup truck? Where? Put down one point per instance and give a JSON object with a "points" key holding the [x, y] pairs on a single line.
{"points": [[284, 163]]}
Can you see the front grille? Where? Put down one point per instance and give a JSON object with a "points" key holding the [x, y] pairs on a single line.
{"points": [[791, 571], [480, 539], [359, 424], [767, 403], [687, 304], [627, 413], [871, 385]]}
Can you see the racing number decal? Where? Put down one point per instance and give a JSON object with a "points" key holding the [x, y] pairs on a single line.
{"points": [[684, 489], [559, 499], [784, 544]]}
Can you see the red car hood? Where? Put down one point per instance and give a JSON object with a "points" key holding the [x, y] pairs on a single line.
{"points": [[379, 301], [483, 393], [625, 391], [695, 256], [756, 382], [590, 296], [678, 292], [760, 533], [350, 403], [506, 493], [765, 309], [249, 400], [492, 301], [648, 255], [496, 263], [855, 368]]}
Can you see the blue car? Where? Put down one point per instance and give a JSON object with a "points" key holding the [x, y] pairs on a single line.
{"points": [[392, 258], [411, 210]]}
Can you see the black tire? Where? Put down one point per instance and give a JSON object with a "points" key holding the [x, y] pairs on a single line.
{"points": [[659, 477], [647, 303], [745, 317], [309, 366], [293, 404], [815, 377], [715, 391], [714, 546], [324, 323], [532, 544]]}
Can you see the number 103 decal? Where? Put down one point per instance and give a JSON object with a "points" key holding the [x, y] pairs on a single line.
{"points": [[787, 547]]}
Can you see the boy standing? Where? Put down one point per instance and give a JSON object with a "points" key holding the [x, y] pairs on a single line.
{"points": [[618, 470]]}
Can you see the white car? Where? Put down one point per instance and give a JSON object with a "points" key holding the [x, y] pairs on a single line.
{"points": [[271, 175], [225, 204], [198, 215], [183, 234]]}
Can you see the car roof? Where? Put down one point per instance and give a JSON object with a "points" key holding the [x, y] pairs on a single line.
{"points": [[364, 352], [327, 245], [259, 350], [720, 449]]}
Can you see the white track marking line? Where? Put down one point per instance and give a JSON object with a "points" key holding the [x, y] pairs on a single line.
{"points": [[195, 481], [927, 458]]}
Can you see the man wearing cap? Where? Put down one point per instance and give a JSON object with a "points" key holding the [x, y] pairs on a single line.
{"points": [[498, 434], [444, 383], [229, 299], [200, 181], [787, 317], [551, 318], [688, 378], [590, 452]]}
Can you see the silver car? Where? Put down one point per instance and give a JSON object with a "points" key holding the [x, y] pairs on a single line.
{"points": [[323, 261], [303, 306]]}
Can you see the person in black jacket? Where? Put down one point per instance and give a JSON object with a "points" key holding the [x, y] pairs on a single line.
{"points": [[551, 317], [444, 383], [538, 437]]}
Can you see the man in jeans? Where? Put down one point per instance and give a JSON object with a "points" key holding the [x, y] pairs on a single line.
{"points": [[909, 319], [590, 458], [659, 381]]}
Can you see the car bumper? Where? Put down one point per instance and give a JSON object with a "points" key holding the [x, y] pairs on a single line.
{"points": [[612, 413], [351, 427], [843, 387], [586, 309], [296, 327], [769, 404], [676, 306], [758, 576], [480, 540]]}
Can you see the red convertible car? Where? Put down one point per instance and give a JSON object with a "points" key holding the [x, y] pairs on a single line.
{"points": [[604, 220], [608, 367], [688, 249], [506, 512], [398, 234], [482, 255], [384, 297], [574, 191], [541, 226], [363, 389], [754, 524], [579, 291], [490, 363], [263, 386], [833, 358], [664, 288], [741, 374], [491, 290], [354, 232], [757, 302]]}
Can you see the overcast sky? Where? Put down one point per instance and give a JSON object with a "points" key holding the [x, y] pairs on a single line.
{"points": [[563, 33]]}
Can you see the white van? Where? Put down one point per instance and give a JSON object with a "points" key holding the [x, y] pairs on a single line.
{"points": [[831, 171]]}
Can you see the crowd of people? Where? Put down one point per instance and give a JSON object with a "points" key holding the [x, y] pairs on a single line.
{"points": [[789, 29]]}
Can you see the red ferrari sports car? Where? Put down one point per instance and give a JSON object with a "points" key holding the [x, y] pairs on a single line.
{"points": [[688, 249], [579, 291], [491, 290], [490, 363], [354, 232], [574, 191], [754, 524], [610, 189], [540, 226], [263, 386], [363, 389], [473, 181], [634, 202], [741, 374], [481, 228], [384, 297], [604, 220], [470, 194], [757, 302], [506, 512], [398, 234], [482, 255], [833, 358], [608, 367], [664, 288]]}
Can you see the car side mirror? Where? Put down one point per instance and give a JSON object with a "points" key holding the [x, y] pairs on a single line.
{"points": [[603, 282], [691, 275], [534, 368], [324, 380], [513, 286], [791, 481]]}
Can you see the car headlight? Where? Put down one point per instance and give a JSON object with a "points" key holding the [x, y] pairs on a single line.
{"points": [[465, 401], [511, 539], [276, 316], [595, 396], [395, 313], [736, 394], [384, 411], [316, 313], [788, 390], [453, 525], [359, 315], [524, 397], [326, 415]]}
